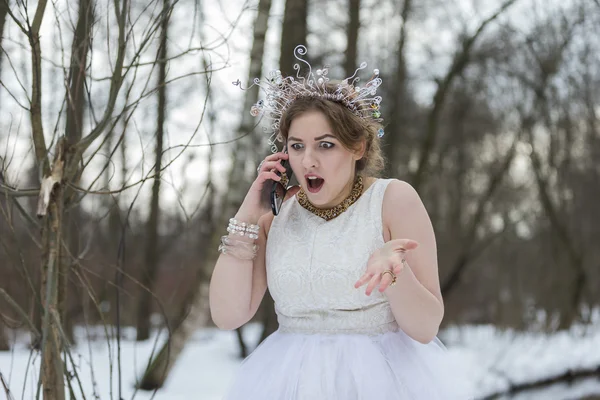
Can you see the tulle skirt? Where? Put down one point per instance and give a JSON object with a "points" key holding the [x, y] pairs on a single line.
{"points": [[389, 366]]}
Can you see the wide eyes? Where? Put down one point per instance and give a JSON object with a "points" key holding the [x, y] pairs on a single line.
{"points": [[323, 145]]}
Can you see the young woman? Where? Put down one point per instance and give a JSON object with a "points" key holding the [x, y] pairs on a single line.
{"points": [[350, 261]]}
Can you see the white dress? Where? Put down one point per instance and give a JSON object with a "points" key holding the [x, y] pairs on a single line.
{"points": [[334, 342]]}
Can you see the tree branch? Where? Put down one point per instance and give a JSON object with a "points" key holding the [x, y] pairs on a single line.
{"points": [[36, 90], [115, 85], [467, 251], [10, 191], [460, 62]]}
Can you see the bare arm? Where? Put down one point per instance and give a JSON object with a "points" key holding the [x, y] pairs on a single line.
{"points": [[238, 286], [416, 299]]}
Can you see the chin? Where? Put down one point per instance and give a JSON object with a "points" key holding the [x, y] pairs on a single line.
{"points": [[315, 198], [317, 203], [320, 199]]}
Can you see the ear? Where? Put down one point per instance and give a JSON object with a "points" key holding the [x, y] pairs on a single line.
{"points": [[360, 151]]}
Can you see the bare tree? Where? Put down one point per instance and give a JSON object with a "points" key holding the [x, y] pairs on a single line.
{"points": [[459, 63], [74, 132], [548, 64], [63, 161], [152, 259]]}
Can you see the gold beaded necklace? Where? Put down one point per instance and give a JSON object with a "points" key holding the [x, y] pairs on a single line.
{"points": [[330, 213]]}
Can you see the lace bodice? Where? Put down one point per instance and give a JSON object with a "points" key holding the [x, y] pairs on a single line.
{"points": [[312, 265]]}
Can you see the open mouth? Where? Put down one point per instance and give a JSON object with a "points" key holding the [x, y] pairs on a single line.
{"points": [[314, 184]]}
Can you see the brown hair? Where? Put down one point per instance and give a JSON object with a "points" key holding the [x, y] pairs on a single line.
{"points": [[350, 129]]}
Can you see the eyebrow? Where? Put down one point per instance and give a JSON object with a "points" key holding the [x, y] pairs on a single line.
{"points": [[316, 139]]}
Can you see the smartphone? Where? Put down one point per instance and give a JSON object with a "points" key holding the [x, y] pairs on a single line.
{"points": [[275, 192]]}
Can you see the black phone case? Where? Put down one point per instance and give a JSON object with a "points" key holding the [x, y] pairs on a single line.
{"points": [[271, 185]]}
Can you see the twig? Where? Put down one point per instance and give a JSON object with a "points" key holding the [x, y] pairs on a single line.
{"points": [[6, 389], [21, 312]]}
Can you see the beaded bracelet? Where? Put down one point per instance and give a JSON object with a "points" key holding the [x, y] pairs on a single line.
{"points": [[243, 229], [237, 248]]}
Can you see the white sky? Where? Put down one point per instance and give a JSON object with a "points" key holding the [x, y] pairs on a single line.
{"points": [[433, 38]]}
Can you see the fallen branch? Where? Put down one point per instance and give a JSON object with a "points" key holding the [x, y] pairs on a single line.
{"points": [[568, 377]]}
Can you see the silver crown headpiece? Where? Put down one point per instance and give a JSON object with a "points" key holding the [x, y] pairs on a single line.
{"points": [[281, 92]]}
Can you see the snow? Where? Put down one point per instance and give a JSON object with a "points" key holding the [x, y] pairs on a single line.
{"points": [[495, 358]]}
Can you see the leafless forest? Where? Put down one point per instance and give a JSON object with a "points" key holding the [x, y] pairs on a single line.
{"points": [[124, 149]]}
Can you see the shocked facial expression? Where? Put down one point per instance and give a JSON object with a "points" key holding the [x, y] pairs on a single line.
{"points": [[322, 165]]}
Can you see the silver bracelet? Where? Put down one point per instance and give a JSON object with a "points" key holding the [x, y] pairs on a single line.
{"points": [[243, 229], [237, 248]]}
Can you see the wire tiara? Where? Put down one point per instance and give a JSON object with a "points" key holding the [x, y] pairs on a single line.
{"points": [[281, 92]]}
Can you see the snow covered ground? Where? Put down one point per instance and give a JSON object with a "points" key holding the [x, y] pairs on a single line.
{"points": [[494, 358]]}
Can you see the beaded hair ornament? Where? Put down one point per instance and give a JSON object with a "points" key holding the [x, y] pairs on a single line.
{"points": [[281, 92]]}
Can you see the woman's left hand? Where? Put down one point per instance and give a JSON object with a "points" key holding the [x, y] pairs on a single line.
{"points": [[390, 257]]}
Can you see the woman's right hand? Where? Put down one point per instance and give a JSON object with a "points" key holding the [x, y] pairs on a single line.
{"points": [[254, 206]]}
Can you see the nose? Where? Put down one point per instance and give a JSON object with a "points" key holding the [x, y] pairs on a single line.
{"points": [[309, 160]]}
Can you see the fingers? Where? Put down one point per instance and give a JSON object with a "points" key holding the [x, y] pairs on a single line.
{"points": [[397, 268], [269, 166], [386, 280], [265, 175], [372, 284], [383, 280], [277, 156], [364, 279], [407, 244]]}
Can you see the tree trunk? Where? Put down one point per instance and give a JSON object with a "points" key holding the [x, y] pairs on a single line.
{"points": [[152, 255], [51, 346], [246, 147], [74, 133], [50, 208], [52, 364], [400, 100], [352, 36], [186, 324], [193, 312], [293, 33]]}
